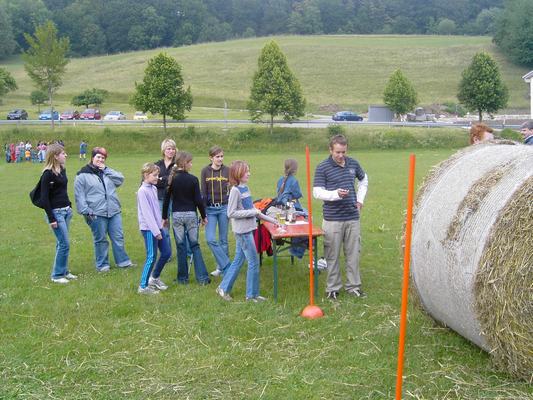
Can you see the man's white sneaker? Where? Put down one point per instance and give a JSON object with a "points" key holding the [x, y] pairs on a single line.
{"points": [[147, 290], [216, 272], [157, 283], [71, 277], [60, 280]]}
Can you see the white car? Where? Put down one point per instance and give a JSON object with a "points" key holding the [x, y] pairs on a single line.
{"points": [[114, 116], [139, 116]]}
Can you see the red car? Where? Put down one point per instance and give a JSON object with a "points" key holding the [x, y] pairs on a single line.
{"points": [[70, 114], [90, 113]]}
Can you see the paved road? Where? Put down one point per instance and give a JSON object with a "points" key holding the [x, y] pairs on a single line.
{"points": [[312, 123]]}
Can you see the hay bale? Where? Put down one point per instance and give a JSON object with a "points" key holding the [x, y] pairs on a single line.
{"points": [[472, 257]]}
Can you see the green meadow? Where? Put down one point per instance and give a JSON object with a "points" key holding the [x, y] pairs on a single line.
{"points": [[349, 71], [96, 338]]}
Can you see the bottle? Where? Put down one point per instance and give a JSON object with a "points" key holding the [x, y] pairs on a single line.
{"points": [[291, 213]]}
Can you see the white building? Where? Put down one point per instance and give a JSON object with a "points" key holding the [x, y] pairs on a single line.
{"points": [[529, 79]]}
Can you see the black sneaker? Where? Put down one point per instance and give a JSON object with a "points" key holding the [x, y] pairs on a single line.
{"points": [[332, 295], [356, 292]]}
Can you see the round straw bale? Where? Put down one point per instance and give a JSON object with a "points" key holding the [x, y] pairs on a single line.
{"points": [[472, 250]]}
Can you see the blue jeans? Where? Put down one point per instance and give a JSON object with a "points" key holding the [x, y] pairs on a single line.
{"points": [[151, 245], [245, 250], [219, 248], [167, 238], [185, 226], [102, 227], [63, 217]]}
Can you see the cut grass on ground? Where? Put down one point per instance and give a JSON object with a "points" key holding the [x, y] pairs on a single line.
{"points": [[96, 338]]}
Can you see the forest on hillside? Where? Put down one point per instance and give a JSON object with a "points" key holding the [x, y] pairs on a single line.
{"points": [[111, 26]]}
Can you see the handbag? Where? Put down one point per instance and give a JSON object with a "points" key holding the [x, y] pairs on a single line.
{"points": [[35, 194]]}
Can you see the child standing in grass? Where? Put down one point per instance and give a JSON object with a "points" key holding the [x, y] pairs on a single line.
{"points": [[151, 225], [243, 216]]}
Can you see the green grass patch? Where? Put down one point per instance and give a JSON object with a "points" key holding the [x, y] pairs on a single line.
{"points": [[345, 70], [97, 339]]}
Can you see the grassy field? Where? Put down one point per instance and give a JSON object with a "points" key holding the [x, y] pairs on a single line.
{"points": [[349, 71], [97, 339]]}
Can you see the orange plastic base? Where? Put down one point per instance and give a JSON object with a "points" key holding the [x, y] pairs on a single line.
{"points": [[312, 312]]}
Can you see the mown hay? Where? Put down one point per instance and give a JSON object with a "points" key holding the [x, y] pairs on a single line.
{"points": [[503, 286], [463, 210]]}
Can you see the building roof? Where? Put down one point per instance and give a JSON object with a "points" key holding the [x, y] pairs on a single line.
{"points": [[528, 76]]}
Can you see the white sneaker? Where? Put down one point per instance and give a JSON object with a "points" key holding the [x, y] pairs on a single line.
{"points": [[60, 280], [105, 268], [157, 283], [147, 290], [71, 277], [223, 294], [216, 272]]}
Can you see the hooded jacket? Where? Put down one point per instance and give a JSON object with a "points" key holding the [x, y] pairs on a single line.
{"points": [[95, 191]]}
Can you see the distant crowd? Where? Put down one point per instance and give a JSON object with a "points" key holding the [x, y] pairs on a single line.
{"points": [[27, 152]]}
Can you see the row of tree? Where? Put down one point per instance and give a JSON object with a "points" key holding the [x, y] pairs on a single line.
{"points": [[110, 26], [481, 89]]}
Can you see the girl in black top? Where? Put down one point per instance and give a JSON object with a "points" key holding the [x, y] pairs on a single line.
{"points": [[56, 204], [184, 192]]}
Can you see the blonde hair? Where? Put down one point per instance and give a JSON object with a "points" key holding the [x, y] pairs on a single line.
{"points": [[51, 162], [148, 168], [167, 143], [237, 170]]}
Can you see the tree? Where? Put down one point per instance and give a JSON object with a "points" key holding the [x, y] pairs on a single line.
{"points": [[400, 95], [38, 97], [514, 31], [7, 83], [7, 44], [161, 91], [46, 59], [446, 27], [90, 96], [275, 89], [481, 88]]}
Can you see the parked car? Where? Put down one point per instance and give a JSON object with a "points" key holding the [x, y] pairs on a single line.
{"points": [[90, 113], [70, 114], [346, 116], [46, 115], [114, 116], [17, 113], [139, 116]]}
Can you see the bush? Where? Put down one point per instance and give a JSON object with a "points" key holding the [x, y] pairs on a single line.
{"points": [[510, 134], [454, 108], [334, 130], [246, 135], [285, 136]]}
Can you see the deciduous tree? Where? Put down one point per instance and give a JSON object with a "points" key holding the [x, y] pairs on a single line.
{"points": [[514, 31], [38, 98], [90, 96], [481, 88], [400, 95], [7, 83], [162, 89], [275, 89], [46, 59]]}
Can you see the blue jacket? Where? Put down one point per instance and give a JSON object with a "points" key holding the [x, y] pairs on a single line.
{"points": [[291, 192], [95, 191]]}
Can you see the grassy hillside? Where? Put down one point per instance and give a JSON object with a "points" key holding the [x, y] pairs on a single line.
{"points": [[350, 71]]}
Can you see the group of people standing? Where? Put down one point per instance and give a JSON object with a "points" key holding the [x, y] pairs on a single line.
{"points": [[25, 151], [170, 195]]}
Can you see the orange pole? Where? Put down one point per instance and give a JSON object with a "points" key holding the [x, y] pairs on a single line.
{"points": [[310, 209], [405, 285]]}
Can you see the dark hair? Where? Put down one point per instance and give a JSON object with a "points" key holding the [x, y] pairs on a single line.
{"points": [[338, 139], [99, 150], [213, 151]]}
